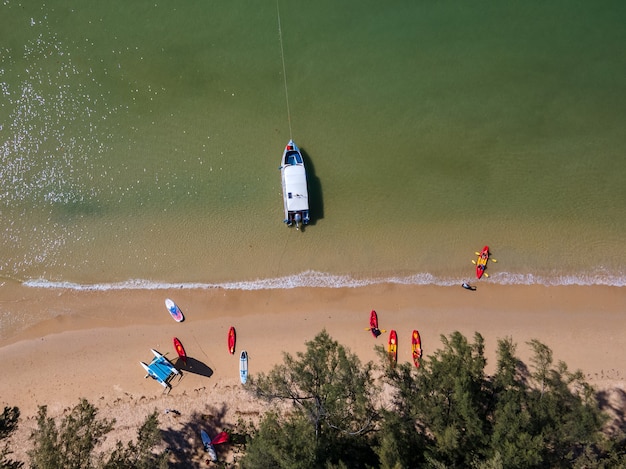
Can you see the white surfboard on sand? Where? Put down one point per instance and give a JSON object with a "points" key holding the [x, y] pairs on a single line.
{"points": [[243, 366]]}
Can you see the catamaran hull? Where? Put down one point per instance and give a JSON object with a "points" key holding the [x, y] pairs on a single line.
{"points": [[152, 375]]}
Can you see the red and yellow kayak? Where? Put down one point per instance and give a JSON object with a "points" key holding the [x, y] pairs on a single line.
{"points": [[481, 263], [180, 350], [231, 340], [392, 348], [416, 348]]}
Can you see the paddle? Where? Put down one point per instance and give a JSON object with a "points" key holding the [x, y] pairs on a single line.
{"points": [[491, 258], [473, 262], [478, 254], [381, 330], [486, 274]]}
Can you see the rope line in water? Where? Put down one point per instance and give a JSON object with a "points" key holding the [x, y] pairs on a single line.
{"points": [[282, 56]]}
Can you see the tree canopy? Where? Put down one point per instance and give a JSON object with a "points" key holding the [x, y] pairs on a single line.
{"points": [[71, 444], [333, 408], [446, 414]]}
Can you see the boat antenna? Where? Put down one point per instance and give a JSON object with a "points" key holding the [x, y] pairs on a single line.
{"points": [[282, 55]]}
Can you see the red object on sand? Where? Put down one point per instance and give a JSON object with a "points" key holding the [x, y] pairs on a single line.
{"points": [[481, 263], [392, 348], [180, 350], [231, 340], [416, 348], [220, 438], [374, 324]]}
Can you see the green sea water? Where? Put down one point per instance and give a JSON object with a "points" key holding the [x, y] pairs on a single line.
{"points": [[140, 141]]}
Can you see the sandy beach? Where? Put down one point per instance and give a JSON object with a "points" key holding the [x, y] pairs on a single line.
{"points": [[90, 343]]}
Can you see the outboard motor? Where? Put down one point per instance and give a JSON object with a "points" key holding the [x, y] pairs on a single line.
{"points": [[298, 219]]}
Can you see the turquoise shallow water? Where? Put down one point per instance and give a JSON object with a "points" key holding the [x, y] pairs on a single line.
{"points": [[140, 144]]}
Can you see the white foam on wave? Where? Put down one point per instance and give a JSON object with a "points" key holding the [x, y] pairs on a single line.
{"points": [[598, 277], [312, 279]]}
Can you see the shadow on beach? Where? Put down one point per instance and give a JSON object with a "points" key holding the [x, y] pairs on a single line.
{"points": [[613, 402], [194, 366], [186, 446]]}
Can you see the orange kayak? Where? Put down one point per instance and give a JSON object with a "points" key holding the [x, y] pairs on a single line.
{"points": [[416, 348], [231, 340], [392, 348], [180, 350]]}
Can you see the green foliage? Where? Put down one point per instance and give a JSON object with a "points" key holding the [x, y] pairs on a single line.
{"points": [[140, 455], [287, 443], [513, 440], [562, 409], [71, 444], [400, 445], [519, 418], [450, 403], [8, 424], [333, 411]]}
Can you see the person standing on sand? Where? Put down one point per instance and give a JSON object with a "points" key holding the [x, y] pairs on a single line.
{"points": [[467, 286]]}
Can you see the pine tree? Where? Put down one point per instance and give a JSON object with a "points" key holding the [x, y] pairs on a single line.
{"points": [[140, 455], [332, 395], [69, 446], [72, 443], [452, 402]]}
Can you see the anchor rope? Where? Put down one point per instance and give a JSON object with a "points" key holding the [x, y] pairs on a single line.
{"points": [[282, 56]]}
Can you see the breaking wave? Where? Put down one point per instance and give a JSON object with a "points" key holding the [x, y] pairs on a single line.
{"points": [[312, 279]]}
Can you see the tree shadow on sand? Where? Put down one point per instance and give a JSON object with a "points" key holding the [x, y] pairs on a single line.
{"points": [[613, 402], [185, 445], [193, 366]]}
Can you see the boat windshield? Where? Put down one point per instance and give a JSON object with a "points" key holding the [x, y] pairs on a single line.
{"points": [[293, 158]]}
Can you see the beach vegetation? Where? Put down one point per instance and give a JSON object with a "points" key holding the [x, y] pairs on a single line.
{"points": [[521, 417], [280, 442], [444, 404], [8, 424], [71, 444], [332, 413], [140, 454], [448, 413]]}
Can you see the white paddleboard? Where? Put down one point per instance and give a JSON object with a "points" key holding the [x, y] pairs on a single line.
{"points": [[174, 310], [243, 366]]}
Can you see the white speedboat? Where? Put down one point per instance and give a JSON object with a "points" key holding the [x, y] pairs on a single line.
{"points": [[295, 192]]}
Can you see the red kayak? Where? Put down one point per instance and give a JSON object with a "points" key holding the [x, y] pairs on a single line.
{"points": [[392, 348], [416, 348], [481, 263], [231, 340], [374, 324], [180, 350]]}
